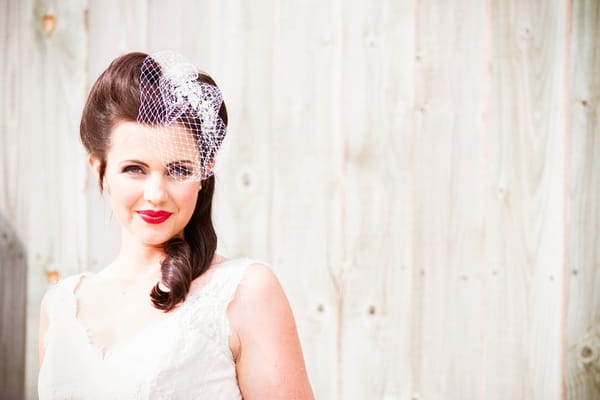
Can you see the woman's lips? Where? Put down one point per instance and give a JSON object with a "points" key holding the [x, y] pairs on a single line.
{"points": [[154, 217]]}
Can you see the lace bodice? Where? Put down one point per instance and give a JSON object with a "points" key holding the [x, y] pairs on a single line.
{"points": [[185, 355]]}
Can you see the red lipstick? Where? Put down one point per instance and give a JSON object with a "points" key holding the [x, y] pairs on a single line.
{"points": [[154, 217]]}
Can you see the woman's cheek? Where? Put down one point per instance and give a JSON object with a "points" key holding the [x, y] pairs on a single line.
{"points": [[124, 194], [188, 196]]}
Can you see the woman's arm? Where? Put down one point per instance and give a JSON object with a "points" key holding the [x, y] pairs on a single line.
{"points": [[265, 341]]}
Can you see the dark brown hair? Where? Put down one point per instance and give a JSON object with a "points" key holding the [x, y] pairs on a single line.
{"points": [[113, 98]]}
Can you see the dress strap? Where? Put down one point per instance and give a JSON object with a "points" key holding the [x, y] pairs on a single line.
{"points": [[206, 308], [229, 279], [60, 298], [229, 276]]}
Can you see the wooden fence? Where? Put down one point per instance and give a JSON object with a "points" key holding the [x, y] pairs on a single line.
{"points": [[424, 177]]}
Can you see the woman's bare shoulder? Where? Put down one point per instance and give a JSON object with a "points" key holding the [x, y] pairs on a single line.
{"points": [[257, 296], [259, 277], [269, 358]]}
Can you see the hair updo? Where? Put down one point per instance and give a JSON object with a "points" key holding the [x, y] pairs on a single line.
{"points": [[115, 97]]}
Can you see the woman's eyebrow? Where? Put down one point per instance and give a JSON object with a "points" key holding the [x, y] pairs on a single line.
{"points": [[179, 162], [134, 162]]}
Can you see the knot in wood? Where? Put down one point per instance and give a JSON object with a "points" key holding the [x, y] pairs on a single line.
{"points": [[588, 355]]}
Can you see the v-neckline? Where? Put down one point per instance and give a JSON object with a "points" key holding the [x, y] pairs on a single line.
{"points": [[105, 352]]}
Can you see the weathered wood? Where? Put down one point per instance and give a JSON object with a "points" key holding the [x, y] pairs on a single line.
{"points": [[583, 297], [449, 196], [48, 210], [13, 306], [237, 61], [401, 164], [114, 28], [188, 27], [376, 85], [526, 225], [15, 47], [305, 189]]}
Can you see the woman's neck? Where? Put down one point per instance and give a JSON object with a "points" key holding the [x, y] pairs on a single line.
{"points": [[136, 260]]}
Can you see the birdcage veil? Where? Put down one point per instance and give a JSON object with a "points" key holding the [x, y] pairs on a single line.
{"points": [[185, 113]]}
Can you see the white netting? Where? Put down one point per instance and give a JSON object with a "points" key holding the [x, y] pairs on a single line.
{"points": [[186, 113]]}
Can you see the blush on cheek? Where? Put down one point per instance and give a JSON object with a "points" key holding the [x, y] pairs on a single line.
{"points": [[126, 192], [188, 196], [188, 191], [124, 196]]}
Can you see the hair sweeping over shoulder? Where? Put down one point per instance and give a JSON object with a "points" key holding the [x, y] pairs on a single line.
{"points": [[115, 97]]}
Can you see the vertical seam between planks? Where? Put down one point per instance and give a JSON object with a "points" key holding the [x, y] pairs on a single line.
{"points": [[485, 180], [146, 20], [566, 170], [338, 131], [85, 182], [275, 29], [415, 339], [270, 151]]}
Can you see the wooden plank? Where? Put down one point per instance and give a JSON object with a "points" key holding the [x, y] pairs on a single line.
{"points": [[188, 27], [240, 62], [583, 300], [305, 191], [115, 28], [406, 182], [16, 45], [168, 23], [376, 69], [13, 305], [56, 237], [42, 184], [449, 196], [526, 228]]}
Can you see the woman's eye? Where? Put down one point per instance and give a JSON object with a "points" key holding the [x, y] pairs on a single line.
{"points": [[133, 169], [180, 170]]}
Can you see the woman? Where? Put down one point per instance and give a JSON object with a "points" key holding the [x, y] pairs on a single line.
{"points": [[168, 318]]}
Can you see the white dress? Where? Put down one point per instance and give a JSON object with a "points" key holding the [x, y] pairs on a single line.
{"points": [[185, 355]]}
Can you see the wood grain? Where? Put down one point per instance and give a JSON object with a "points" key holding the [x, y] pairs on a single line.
{"points": [[583, 300], [240, 59], [15, 45], [450, 200], [420, 176], [305, 191], [526, 229], [43, 181], [376, 97], [13, 306]]}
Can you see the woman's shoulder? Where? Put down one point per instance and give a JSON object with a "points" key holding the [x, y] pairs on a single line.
{"points": [[60, 294], [64, 284], [237, 277], [258, 288], [259, 277], [250, 274]]}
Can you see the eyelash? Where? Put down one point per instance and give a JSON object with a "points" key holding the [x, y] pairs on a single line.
{"points": [[174, 170], [179, 170], [133, 169]]}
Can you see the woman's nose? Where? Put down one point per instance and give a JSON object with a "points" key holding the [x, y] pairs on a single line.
{"points": [[155, 190]]}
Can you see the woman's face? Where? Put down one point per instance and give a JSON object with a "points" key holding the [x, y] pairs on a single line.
{"points": [[147, 194]]}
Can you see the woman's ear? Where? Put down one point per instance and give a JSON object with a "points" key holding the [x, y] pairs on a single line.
{"points": [[96, 165]]}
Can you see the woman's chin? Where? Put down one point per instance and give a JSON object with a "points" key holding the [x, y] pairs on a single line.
{"points": [[155, 240]]}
